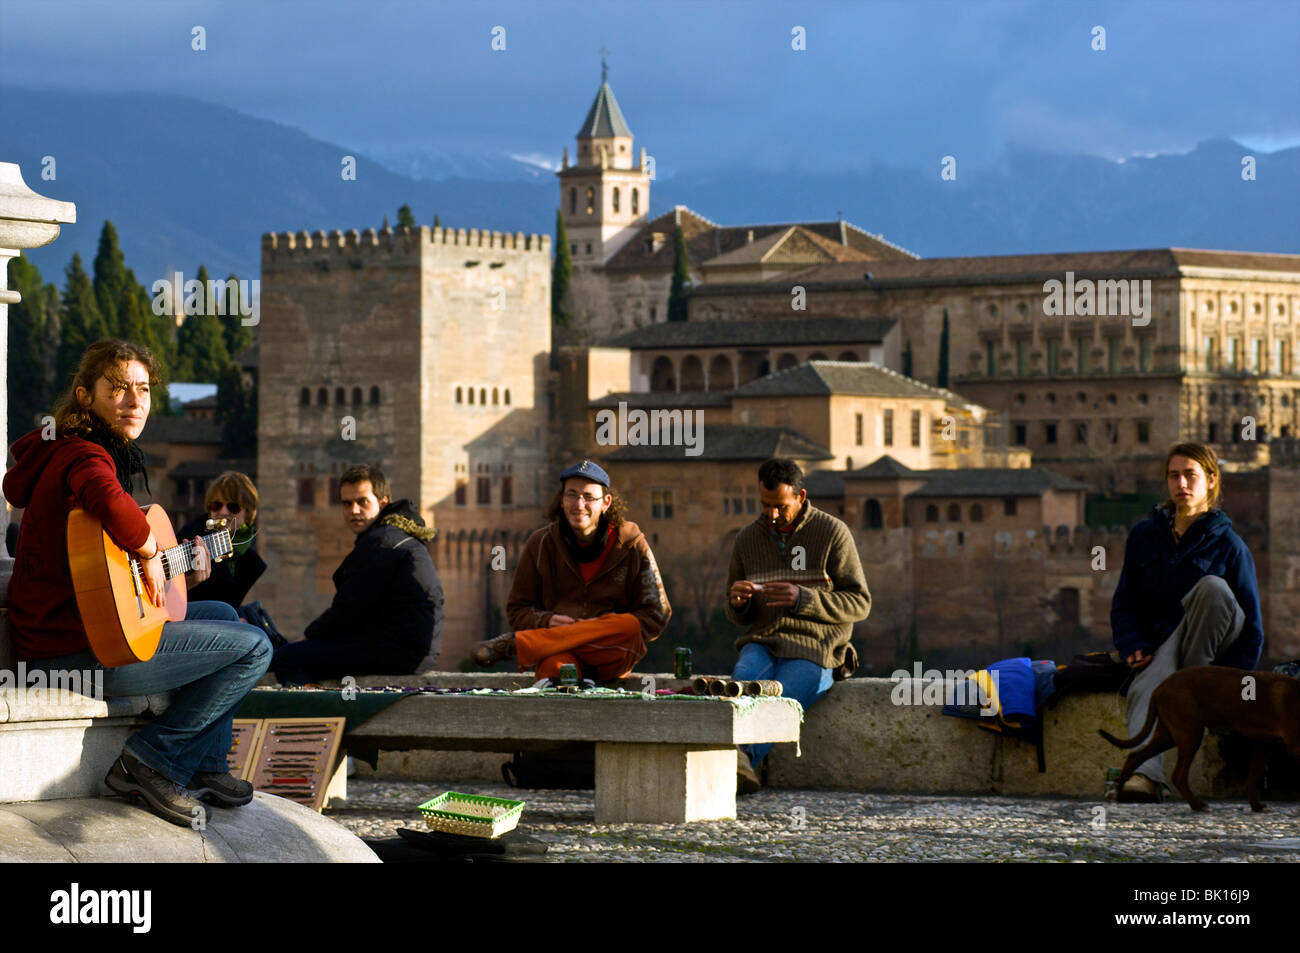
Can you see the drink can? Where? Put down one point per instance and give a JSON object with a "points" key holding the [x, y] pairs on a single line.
{"points": [[568, 674], [682, 662]]}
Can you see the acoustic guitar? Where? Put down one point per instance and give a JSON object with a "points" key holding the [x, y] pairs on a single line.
{"points": [[122, 624]]}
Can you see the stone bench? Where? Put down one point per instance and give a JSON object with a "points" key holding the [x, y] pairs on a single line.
{"points": [[658, 761]]}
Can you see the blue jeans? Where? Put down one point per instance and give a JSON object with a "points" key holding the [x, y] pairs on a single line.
{"points": [[213, 660], [800, 679]]}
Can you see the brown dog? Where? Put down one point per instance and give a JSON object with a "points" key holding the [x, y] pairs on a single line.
{"points": [[1211, 696]]}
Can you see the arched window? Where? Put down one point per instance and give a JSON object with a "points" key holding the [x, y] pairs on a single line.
{"points": [[506, 396], [573, 201], [460, 397], [721, 376], [356, 396], [786, 361], [616, 198], [954, 513], [636, 200], [591, 200], [482, 396], [340, 396], [322, 397], [932, 514], [304, 397], [692, 373], [374, 394], [471, 396], [849, 356], [873, 517], [976, 513], [496, 396], [662, 376], [817, 356]]}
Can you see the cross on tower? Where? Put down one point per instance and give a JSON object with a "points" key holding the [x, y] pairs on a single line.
{"points": [[604, 69]]}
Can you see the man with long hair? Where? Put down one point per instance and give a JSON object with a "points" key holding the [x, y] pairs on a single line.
{"points": [[1187, 595], [587, 591], [211, 659]]}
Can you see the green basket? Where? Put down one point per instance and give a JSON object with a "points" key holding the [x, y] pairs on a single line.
{"points": [[471, 814]]}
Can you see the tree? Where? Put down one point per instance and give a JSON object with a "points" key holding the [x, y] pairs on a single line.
{"points": [[83, 323], [111, 277], [681, 277], [136, 326], [404, 217], [943, 352], [437, 222], [237, 414], [907, 359], [561, 273], [200, 345], [30, 389], [385, 227], [238, 336]]}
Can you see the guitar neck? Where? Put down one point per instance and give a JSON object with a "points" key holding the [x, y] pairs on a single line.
{"points": [[182, 557]]}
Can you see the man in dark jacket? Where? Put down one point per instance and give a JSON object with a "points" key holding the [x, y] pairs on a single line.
{"points": [[387, 610], [1187, 595]]}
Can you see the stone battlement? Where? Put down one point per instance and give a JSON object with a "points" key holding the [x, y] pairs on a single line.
{"points": [[400, 240]]}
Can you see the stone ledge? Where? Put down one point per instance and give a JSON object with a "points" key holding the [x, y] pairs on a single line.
{"points": [[110, 830]]}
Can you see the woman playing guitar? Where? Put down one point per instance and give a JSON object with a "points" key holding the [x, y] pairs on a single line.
{"points": [[210, 659]]}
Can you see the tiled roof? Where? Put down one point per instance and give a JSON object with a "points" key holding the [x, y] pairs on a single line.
{"points": [[760, 249], [976, 269], [724, 442], [757, 331], [824, 484], [166, 429], [994, 481], [841, 377], [885, 467], [706, 240], [665, 399], [212, 468], [604, 119]]}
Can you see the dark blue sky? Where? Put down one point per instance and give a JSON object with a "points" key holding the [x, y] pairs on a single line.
{"points": [[702, 84]]}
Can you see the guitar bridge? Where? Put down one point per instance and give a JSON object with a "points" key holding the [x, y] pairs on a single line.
{"points": [[137, 586]]}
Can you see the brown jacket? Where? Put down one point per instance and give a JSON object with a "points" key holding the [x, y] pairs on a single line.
{"points": [[547, 581]]}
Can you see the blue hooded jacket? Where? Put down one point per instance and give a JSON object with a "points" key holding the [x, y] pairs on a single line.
{"points": [[1157, 574]]}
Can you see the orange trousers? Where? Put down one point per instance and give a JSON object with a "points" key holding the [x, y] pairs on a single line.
{"points": [[603, 648]]}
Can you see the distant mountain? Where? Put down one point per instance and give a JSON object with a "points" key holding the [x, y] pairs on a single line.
{"points": [[188, 182]]}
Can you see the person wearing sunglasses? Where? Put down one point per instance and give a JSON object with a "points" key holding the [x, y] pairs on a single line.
{"points": [[586, 591], [231, 497]]}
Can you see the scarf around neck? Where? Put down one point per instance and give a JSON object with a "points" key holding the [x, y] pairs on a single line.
{"points": [[128, 459]]}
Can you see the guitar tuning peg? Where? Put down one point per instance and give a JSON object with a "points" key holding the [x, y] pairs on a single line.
{"points": [[211, 523]]}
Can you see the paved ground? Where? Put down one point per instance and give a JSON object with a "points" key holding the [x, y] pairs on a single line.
{"points": [[844, 826]]}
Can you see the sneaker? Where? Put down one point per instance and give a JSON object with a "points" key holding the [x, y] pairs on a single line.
{"points": [[134, 779], [1140, 789], [746, 780], [220, 788]]}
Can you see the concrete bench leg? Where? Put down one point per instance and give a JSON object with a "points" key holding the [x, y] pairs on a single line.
{"points": [[664, 784]]}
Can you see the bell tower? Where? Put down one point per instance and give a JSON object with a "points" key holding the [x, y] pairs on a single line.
{"points": [[604, 196]]}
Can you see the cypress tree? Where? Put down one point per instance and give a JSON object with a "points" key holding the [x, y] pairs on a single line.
{"points": [[111, 276], [907, 359], [681, 277], [237, 414], [137, 327], [437, 222], [201, 348], [30, 388], [943, 352], [82, 324], [238, 336], [385, 225], [561, 273], [404, 217]]}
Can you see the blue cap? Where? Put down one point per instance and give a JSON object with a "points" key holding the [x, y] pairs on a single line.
{"points": [[591, 472]]}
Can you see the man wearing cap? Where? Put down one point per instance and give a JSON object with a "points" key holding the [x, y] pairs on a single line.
{"points": [[586, 592]]}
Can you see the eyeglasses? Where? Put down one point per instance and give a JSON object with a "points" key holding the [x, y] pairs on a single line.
{"points": [[571, 497], [215, 505]]}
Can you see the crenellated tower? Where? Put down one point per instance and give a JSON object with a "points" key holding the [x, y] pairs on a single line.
{"points": [[604, 195]]}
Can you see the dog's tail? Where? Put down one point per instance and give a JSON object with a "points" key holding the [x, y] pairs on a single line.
{"points": [[1137, 739]]}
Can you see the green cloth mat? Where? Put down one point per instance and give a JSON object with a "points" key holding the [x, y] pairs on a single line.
{"points": [[316, 703]]}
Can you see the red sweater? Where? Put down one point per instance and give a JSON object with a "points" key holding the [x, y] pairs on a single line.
{"points": [[48, 479]]}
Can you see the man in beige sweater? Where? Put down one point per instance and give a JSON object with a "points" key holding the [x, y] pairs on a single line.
{"points": [[796, 581]]}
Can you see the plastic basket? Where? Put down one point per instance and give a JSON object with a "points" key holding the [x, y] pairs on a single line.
{"points": [[471, 814]]}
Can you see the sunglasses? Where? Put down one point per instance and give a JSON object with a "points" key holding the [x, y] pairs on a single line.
{"points": [[218, 504]]}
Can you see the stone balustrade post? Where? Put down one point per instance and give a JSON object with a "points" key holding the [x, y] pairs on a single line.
{"points": [[27, 220]]}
